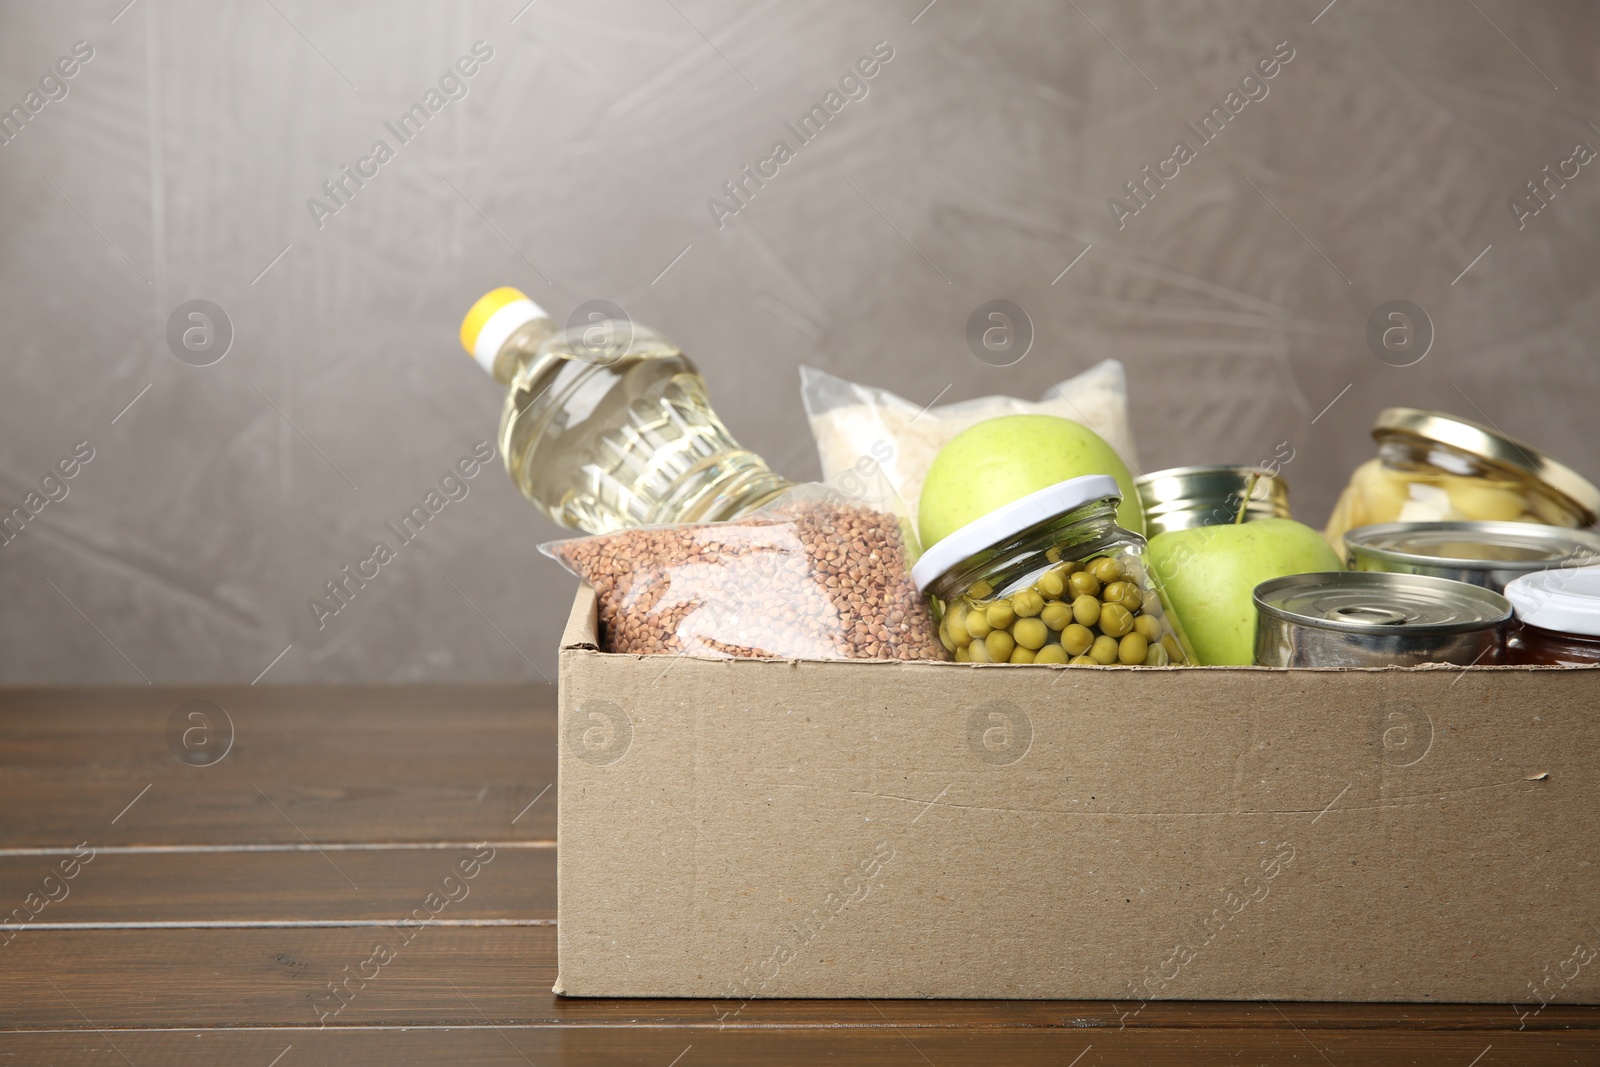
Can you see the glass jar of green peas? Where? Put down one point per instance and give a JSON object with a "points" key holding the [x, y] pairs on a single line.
{"points": [[1052, 578]]}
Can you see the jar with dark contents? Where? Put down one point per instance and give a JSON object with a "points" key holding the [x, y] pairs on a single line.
{"points": [[1558, 615], [1051, 578]]}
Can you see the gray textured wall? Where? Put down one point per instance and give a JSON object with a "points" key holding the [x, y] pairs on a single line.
{"points": [[579, 165]]}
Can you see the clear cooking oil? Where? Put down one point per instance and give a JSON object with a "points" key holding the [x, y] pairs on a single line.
{"points": [[607, 424]]}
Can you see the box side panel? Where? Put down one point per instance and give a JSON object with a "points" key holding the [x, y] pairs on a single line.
{"points": [[583, 624], [745, 829], [601, 807]]}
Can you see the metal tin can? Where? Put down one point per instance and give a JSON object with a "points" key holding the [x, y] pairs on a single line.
{"points": [[1367, 619], [1185, 497], [1489, 554]]}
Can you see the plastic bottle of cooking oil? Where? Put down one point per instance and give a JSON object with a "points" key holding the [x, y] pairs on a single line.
{"points": [[606, 423]]}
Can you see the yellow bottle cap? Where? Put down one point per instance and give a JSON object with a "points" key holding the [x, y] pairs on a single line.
{"points": [[496, 315]]}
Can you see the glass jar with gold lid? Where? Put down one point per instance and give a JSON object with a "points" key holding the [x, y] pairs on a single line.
{"points": [[1433, 467]]}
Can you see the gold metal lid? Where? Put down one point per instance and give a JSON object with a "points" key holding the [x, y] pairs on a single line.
{"points": [[1184, 497], [1496, 450]]}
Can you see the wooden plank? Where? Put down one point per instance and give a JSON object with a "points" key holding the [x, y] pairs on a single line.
{"points": [[510, 1046], [356, 767], [185, 887], [358, 764], [461, 976]]}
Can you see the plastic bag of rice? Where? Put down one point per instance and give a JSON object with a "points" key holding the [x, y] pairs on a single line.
{"points": [[863, 432]]}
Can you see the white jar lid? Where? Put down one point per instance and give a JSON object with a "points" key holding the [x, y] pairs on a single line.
{"points": [[1562, 599], [1010, 520]]}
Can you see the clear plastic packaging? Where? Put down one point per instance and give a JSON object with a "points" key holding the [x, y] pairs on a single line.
{"points": [[857, 424], [816, 575], [1052, 578]]}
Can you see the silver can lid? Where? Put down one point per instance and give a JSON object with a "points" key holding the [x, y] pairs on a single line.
{"points": [[1368, 601], [1499, 546]]}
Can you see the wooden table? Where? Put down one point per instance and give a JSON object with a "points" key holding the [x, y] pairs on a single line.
{"points": [[224, 901]]}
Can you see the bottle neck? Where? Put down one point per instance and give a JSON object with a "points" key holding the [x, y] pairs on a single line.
{"points": [[519, 350]]}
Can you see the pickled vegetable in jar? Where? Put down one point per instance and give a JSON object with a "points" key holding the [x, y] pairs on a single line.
{"points": [[1433, 467], [1052, 578]]}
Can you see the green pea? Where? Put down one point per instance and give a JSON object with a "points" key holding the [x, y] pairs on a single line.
{"points": [[1132, 598], [1084, 661], [1000, 645], [1086, 609], [978, 624], [1132, 649], [1021, 655], [1050, 654], [1114, 592], [1031, 633], [1104, 650], [955, 624], [1051, 585], [1057, 615], [1076, 639], [978, 652], [1000, 614], [1115, 620], [981, 591], [1106, 568], [1082, 583], [1027, 603], [1149, 626], [1156, 657]]}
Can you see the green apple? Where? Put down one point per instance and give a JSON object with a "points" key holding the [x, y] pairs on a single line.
{"points": [[989, 465], [1211, 572]]}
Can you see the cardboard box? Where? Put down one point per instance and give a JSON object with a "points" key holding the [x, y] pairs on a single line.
{"points": [[737, 828]]}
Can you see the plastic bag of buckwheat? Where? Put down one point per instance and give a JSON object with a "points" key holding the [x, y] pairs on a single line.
{"points": [[824, 572]]}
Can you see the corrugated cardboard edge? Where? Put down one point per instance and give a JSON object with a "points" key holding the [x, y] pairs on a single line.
{"points": [[583, 625], [583, 635]]}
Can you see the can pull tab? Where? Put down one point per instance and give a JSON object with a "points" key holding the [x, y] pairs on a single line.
{"points": [[1363, 615]]}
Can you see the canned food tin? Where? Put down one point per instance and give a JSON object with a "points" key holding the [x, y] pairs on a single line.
{"points": [[1185, 497], [1366, 619], [1488, 554]]}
